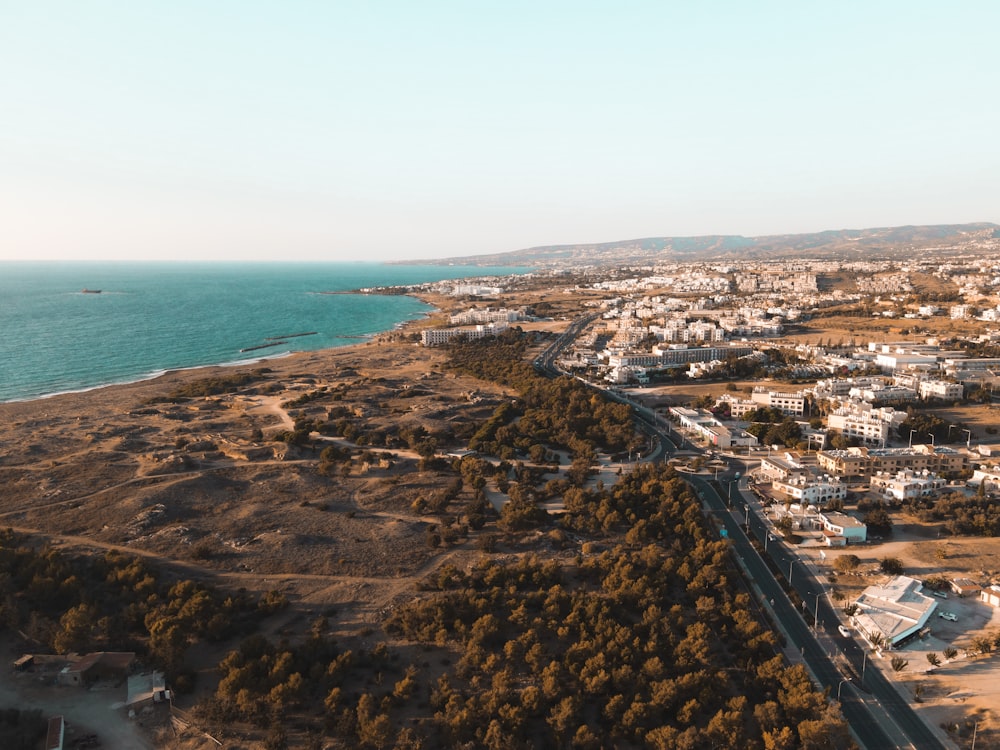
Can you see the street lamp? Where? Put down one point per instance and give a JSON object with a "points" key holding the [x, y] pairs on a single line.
{"points": [[950, 427], [911, 438], [790, 563], [841, 685], [931, 434], [968, 438]]}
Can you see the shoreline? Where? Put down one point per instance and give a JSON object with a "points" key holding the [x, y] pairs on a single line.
{"points": [[153, 376]]}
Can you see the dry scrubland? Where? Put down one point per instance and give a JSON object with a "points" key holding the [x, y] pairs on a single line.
{"points": [[195, 488], [113, 468]]}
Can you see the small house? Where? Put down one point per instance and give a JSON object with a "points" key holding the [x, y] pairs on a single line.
{"points": [[101, 665], [990, 596], [965, 587]]}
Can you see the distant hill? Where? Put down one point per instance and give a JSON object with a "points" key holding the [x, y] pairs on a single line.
{"points": [[886, 242]]}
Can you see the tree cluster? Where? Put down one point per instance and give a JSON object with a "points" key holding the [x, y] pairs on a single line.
{"points": [[559, 412], [111, 602], [786, 432], [21, 729], [962, 516], [645, 644], [213, 386]]}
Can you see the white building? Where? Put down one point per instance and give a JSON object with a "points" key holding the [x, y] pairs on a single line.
{"points": [[438, 336], [737, 406], [895, 611], [843, 525], [811, 491], [990, 596], [781, 468], [888, 394], [489, 315], [941, 389], [790, 404], [864, 426], [904, 485], [712, 430], [989, 476]]}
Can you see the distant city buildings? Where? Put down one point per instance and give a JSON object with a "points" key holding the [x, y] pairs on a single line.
{"points": [[439, 336]]}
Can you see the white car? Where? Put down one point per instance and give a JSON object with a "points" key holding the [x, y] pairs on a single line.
{"points": [[948, 616], [844, 631]]}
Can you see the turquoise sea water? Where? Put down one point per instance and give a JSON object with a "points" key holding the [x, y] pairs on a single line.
{"points": [[154, 317]]}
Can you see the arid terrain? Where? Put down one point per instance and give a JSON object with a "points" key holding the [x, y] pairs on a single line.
{"points": [[199, 485]]}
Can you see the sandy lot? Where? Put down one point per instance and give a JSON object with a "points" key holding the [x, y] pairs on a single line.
{"points": [[961, 692], [85, 711]]}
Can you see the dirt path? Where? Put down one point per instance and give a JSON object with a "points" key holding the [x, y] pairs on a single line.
{"points": [[271, 405]]}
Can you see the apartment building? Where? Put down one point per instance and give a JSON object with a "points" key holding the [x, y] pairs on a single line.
{"points": [[790, 404], [861, 463], [811, 491], [864, 426], [439, 336], [941, 389], [738, 407], [489, 315], [905, 485]]}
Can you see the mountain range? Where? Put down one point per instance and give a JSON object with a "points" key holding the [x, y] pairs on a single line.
{"points": [[878, 243]]}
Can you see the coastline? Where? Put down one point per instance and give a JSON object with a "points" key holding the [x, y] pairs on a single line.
{"points": [[258, 361]]}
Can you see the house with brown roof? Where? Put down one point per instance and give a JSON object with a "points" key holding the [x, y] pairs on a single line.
{"points": [[99, 665], [55, 735], [965, 586]]}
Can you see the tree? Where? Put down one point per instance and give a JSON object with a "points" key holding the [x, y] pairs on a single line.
{"points": [[892, 566], [950, 653], [878, 521], [933, 659], [846, 563], [898, 664]]}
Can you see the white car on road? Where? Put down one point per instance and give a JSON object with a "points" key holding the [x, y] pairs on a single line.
{"points": [[948, 616]]}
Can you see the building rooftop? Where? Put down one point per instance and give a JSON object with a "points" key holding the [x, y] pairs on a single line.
{"points": [[842, 519], [896, 609]]}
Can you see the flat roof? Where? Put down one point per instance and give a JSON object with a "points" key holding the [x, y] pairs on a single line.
{"points": [[842, 519], [896, 609]]}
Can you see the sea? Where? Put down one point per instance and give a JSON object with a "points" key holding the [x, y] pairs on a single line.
{"points": [[149, 318]]}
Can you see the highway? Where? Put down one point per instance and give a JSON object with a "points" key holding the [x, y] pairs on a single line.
{"points": [[878, 715]]}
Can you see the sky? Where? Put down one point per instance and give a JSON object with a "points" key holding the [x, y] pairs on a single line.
{"points": [[382, 130]]}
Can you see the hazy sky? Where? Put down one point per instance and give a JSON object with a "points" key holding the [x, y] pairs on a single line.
{"points": [[372, 129]]}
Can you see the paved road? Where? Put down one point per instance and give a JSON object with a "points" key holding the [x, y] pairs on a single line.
{"points": [[877, 713]]}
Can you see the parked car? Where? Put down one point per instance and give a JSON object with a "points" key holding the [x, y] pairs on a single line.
{"points": [[948, 616], [940, 594], [844, 631]]}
